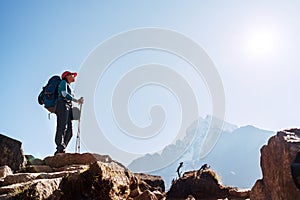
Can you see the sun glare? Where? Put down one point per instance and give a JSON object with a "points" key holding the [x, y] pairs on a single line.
{"points": [[262, 43]]}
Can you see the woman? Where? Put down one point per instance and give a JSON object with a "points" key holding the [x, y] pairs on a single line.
{"points": [[63, 112]]}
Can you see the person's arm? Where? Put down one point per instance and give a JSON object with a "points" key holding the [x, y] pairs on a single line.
{"points": [[63, 89]]}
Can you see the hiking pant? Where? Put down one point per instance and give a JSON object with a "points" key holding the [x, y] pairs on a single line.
{"points": [[64, 130]]}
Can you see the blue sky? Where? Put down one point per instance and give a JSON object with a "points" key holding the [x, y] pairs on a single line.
{"points": [[254, 45]]}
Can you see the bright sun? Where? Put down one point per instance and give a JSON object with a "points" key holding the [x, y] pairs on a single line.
{"points": [[262, 42]]}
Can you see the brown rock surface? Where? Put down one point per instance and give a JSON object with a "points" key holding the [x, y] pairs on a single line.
{"points": [[78, 176], [159, 195], [39, 168], [34, 189], [11, 153], [71, 168], [61, 160], [105, 181], [26, 177], [276, 159], [258, 191], [190, 197], [5, 171], [155, 182], [19, 178], [203, 184], [40, 189], [239, 193], [146, 195], [31, 160]]}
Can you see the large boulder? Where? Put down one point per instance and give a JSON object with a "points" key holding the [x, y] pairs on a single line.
{"points": [[276, 160], [11, 153], [203, 184], [105, 181]]}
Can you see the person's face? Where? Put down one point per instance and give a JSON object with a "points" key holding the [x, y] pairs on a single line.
{"points": [[70, 78]]}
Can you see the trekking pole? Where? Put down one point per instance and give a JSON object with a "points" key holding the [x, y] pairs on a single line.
{"points": [[77, 148]]}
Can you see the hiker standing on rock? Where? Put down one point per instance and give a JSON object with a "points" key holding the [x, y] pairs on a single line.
{"points": [[63, 111]]}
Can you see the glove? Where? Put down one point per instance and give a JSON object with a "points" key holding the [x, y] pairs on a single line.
{"points": [[80, 101]]}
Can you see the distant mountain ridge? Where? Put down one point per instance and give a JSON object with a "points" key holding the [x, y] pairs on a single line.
{"points": [[235, 156]]}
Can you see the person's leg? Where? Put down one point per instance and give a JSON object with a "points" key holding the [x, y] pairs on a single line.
{"points": [[69, 131], [62, 113]]}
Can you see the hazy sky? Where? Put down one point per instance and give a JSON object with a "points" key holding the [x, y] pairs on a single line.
{"points": [[255, 46]]}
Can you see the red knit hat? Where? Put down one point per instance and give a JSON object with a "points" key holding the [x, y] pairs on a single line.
{"points": [[66, 73]]}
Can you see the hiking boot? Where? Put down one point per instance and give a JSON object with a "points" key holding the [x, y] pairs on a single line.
{"points": [[59, 152]]}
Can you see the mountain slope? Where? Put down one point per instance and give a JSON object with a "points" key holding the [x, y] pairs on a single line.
{"points": [[235, 157]]}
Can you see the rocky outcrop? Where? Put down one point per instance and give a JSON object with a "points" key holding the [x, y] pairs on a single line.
{"points": [[101, 181], [203, 184], [81, 176], [155, 182], [11, 153], [91, 177], [276, 160]]}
